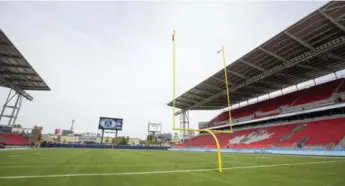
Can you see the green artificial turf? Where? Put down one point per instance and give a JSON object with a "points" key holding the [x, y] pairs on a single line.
{"points": [[105, 167]]}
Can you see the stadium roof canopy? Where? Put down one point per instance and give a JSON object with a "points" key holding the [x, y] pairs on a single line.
{"points": [[312, 47], [15, 72]]}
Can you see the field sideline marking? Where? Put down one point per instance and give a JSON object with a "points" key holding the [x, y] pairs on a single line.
{"points": [[163, 172], [287, 155]]}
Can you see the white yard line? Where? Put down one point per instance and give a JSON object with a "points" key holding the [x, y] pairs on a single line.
{"points": [[14, 156], [164, 172], [113, 165], [263, 157]]}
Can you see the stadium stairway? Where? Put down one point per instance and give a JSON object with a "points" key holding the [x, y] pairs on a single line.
{"points": [[341, 144], [302, 142], [320, 132], [332, 131], [296, 129]]}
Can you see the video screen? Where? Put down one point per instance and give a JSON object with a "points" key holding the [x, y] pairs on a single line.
{"points": [[106, 123]]}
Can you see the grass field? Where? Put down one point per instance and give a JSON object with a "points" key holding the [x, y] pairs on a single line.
{"points": [[105, 167]]}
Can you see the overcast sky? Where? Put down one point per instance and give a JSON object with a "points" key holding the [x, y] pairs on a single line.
{"points": [[114, 58]]}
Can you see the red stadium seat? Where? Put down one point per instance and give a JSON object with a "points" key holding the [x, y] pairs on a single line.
{"points": [[317, 93], [310, 133], [271, 106], [322, 132], [13, 139]]}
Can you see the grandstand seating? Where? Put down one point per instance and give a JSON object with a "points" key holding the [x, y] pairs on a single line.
{"points": [[13, 139], [320, 133], [317, 93], [313, 133], [272, 106]]}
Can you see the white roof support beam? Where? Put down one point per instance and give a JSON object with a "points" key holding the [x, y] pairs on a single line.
{"points": [[336, 57], [273, 54], [197, 96], [272, 83], [310, 67], [211, 86], [336, 23], [218, 79], [188, 100], [5, 65], [300, 77], [204, 91], [4, 44], [300, 65], [221, 80], [263, 90], [241, 92], [305, 44], [237, 74], [271, 86], [287, 77], [4, 55], [179, 102], [190, 97], [252, 65], [342, 18], [333, 7]]}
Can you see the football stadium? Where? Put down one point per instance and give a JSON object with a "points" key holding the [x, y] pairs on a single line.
{"points": [[281, 122]]}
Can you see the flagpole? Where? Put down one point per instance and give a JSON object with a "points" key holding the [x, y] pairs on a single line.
{"points": [[227, 86], [174, 79]]}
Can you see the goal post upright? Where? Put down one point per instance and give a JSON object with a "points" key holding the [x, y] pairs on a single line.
{"points": [[183, 123], [227, 87], [212, 133]]}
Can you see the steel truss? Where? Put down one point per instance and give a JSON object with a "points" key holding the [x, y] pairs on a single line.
{"points": [[184, 124], [12, 104]]}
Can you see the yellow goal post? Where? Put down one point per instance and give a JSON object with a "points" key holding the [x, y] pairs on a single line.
{"points": [[211, 132]]}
